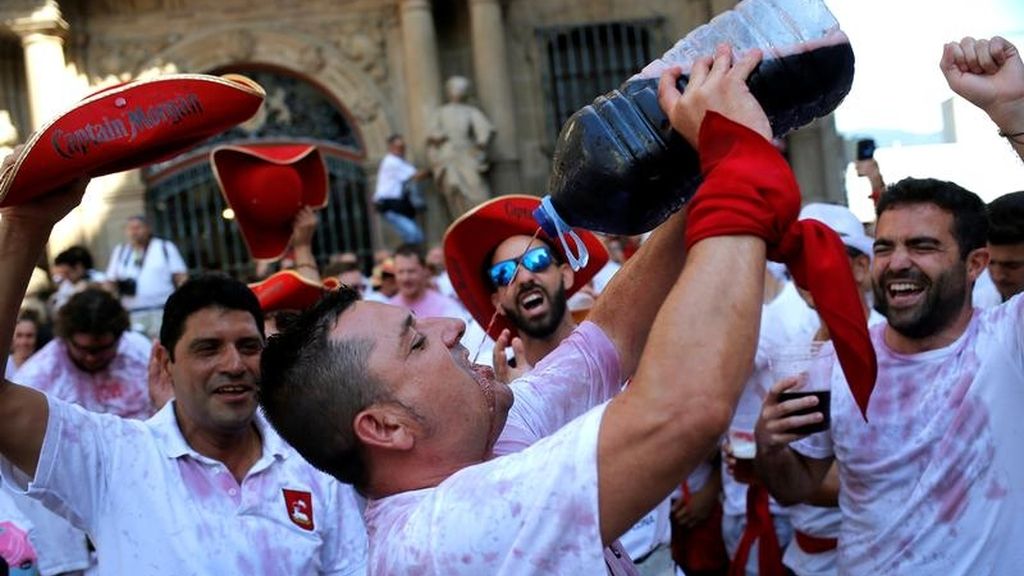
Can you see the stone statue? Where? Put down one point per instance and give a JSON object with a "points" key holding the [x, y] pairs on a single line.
{"points": [[457, 149]]}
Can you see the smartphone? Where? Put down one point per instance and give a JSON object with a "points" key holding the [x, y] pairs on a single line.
{"points": [[866, 149]]}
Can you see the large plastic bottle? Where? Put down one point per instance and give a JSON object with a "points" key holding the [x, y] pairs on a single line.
{"points": [[619, 167]]}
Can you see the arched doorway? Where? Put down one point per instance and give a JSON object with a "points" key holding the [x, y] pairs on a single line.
{"points": [[186, 206]]}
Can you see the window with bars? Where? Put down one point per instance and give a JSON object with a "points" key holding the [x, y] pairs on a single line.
{"points": [[583, 62]]}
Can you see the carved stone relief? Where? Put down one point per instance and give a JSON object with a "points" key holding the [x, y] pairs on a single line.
{"points": [[311, 58], [238, 44], [122, 57]]}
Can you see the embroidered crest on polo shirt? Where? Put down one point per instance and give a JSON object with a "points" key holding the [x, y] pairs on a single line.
{"points": [[299, 505]]}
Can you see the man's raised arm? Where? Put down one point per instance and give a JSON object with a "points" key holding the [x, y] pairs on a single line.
{"points": [[24, 231], [701, 346], [989, 73]]}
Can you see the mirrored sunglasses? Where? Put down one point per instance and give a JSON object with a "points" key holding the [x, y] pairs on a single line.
{"points": [[535, 260]]}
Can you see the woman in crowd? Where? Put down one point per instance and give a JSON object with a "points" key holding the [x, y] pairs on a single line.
{"points": [[26, 333]]}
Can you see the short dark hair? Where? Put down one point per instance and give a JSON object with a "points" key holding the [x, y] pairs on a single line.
{"points": [[92, 311], [211, 289], [392, 137], [414, 250], [312, 387], [1006, 219], [970, 224], [73, 256]]}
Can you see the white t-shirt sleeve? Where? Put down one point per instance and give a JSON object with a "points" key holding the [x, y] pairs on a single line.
{"points": [[72, 474]]}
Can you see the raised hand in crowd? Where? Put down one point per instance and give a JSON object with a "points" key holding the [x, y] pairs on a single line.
{"points": [[302, 243], [989, 73], [505, 370], [705, 91]]}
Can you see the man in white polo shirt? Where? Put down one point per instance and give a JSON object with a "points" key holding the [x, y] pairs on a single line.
{"points": [[203, 487]]}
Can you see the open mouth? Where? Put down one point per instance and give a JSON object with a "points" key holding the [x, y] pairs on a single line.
{"points": [[485, 378], [531, 299], [904, 292]]}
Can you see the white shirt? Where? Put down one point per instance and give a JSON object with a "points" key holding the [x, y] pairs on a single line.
{"points": [[604, 276], [650, 532], [933, 483], [985, 294], [66, 288], [393, 171], [10, 369], [154, 279], [531, 510], [819, 521], [16, 534], [120, 388], [154, 506]]}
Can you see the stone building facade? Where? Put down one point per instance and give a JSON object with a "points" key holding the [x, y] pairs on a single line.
{"points": [[343, 74]]}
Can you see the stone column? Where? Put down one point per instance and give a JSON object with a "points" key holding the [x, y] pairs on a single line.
{"points": [[494, 86], [42, 39], [422, 71]]}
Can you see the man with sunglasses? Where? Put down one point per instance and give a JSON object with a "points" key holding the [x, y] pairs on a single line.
{"points": [[526, 279], [513, 282]]}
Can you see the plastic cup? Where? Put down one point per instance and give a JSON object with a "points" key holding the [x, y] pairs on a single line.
{"points": [[744, 448], [812, 364]]}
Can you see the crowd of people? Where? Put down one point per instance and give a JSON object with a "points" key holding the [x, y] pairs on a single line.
{"points": [[480, 407]]}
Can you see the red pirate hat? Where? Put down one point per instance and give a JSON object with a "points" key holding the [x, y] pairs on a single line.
{"points": [[287, 290], [128, 126], [266, 186], [472, 238]]}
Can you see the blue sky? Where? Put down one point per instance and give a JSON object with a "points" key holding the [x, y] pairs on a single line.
{"points": [[898, 43]]}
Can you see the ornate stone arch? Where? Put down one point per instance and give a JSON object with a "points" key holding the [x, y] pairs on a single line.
{"points": [[342, 77]]}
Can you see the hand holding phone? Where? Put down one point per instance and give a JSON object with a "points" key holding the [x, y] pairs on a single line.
{"points": [[865, 149]]}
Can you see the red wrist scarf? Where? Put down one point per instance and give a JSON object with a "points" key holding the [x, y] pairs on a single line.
{"points": [[750, 189]]}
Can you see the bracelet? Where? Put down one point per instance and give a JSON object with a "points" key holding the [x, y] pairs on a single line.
{"points": [[306, 265], [1012, 136]]}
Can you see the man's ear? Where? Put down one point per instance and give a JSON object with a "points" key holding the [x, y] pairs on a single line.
{"points": [[861, 265], [385, 426], [568, 276], [977, 261], [163, 362], [494, 302]]}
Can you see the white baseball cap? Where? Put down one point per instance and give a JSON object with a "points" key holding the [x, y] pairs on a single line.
{"points": [[843, 222]]}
